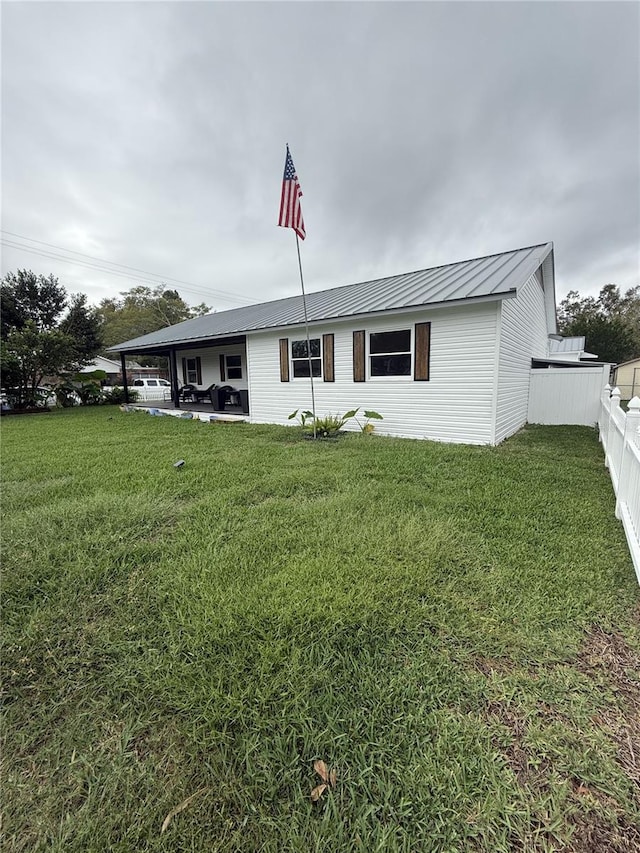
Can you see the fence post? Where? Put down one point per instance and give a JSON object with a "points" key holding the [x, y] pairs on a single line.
{"points": [[614, 404], [631, 426], [603, 421]]}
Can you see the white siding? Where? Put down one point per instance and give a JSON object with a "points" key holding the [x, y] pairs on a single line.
{"points": [[210, 364], [455, 405], [523, 335]]}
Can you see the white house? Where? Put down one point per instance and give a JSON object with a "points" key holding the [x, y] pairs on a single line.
{"points": [[111, 368], [445, 353]]}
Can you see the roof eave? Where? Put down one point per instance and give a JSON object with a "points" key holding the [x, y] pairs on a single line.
{"points": [[133, 347]]}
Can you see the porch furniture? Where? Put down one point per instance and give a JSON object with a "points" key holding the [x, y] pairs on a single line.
{"points": [[187, 392], [225, 394], [204, 394]]}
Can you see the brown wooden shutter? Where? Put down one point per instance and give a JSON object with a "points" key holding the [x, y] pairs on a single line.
{"points": [[198, 371], [422, 352], [359, 373], [222, 373], [184, 371], [328, 369], [284, 359]]}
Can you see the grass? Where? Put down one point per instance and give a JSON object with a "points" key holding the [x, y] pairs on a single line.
{"points": [[453, 629]]}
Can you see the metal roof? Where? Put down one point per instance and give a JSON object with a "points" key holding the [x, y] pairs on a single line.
{"points": [[566, 345], [493, 276]]}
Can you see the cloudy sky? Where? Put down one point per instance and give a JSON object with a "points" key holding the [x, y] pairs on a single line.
{"points": [[152, 135]]}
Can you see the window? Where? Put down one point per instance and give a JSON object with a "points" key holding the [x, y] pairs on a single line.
{"points": [[138, 382], [164, 383], [153, 383], [300, 358], [234, 366], [192, 370], [390, 353]]}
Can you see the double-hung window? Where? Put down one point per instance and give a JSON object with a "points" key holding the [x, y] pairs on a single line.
{"points": [[191, 369], [300, 358], [233, 365], [390, 353]]}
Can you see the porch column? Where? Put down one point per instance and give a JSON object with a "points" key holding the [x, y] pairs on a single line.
{"points": [[173, 374], [123, 367]]}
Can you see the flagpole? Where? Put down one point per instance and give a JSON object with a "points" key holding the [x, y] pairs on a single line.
{"points": [[306, 323]]}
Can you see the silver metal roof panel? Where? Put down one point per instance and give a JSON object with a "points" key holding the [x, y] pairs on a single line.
{"points": [[479, 278], [566, 345]]}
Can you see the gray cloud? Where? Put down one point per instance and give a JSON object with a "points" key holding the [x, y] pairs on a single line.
{"points": [[153, 135]]}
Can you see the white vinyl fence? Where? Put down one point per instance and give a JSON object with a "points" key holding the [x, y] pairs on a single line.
{"points": [[566, 395], [620, 437], [146, 395]]}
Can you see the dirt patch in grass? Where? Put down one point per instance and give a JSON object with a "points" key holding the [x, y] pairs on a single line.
{"points": [[598, 823], [608, 657], [531, 774], [596, 835], [593, 832], [493, 666]]}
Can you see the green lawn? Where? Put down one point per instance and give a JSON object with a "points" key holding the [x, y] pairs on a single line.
{"points": [[455, 630]]}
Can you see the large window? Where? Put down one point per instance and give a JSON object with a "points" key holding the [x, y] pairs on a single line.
{"points": [[300, 358], [390, 353], [233, 366]]}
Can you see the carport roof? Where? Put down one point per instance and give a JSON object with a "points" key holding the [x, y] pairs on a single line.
{"points": [[493, 276]]}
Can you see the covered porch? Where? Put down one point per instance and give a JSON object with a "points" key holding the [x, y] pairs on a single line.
{"points": [[206, 376]]}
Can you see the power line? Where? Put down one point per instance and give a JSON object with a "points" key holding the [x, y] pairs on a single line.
{"points": [[95, 267], [194, 288], [34, 251], [198, 288]]}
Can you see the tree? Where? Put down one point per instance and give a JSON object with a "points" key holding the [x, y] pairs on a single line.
{"points": [[142, 310], [37, 338], [609, 322], [26, 297], [84, 324]]}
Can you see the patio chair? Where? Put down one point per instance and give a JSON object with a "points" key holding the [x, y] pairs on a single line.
{"points": [[204, 394], [187, 392]]}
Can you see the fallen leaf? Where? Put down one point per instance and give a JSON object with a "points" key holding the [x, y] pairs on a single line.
{"points": [[333, 776], [321, 769], [582, 791], [318, 792], [179, 809]]}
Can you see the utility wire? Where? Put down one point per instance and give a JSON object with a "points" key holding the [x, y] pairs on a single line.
{"points": [[43, 253], [126, 267], [163, 279], [95, 267]]}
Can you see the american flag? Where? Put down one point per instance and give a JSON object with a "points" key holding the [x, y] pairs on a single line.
{"points": [[290, 210]]}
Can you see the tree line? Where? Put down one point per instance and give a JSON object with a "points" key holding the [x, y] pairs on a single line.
{"points": [[609, 322], [46, 332]]}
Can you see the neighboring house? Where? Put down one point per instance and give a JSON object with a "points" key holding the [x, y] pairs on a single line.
{"points": [[111, 368], [443, 353], [626, 376]]}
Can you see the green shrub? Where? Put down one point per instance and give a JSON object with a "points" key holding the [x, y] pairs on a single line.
{"points": [[115, 395], [330, 425]]}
